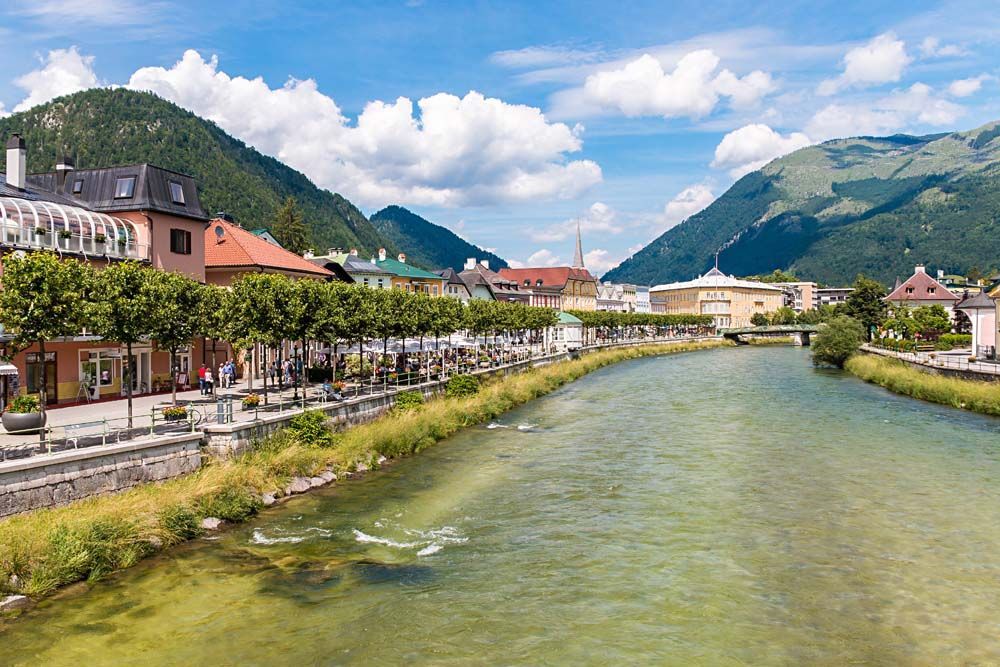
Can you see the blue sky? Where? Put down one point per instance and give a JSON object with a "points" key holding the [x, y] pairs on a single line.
{"points": [[509, 122]]}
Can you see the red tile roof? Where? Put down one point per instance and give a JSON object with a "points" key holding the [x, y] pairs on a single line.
{"points": [[239, 248], [921, 283], [556, 276]]}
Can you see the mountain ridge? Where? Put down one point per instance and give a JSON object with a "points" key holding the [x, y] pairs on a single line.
{"points": [[872, 205], [428, 243]]}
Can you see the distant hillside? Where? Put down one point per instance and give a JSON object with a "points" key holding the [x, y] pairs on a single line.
{"points": [[103, 127], [865, 205], [426, 243]]}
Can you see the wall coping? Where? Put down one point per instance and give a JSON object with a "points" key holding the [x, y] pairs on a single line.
{"points": [[32, 462]]}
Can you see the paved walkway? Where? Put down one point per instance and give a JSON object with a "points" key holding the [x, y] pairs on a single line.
{"points": [[952, 359]]}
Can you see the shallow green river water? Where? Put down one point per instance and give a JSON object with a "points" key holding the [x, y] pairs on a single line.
{"points": [[712, 508]]}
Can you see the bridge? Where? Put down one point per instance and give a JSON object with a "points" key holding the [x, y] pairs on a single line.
{"points": [[799, 332]]}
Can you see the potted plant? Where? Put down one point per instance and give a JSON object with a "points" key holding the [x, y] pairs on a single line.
{"points": [[339, 386], [251, 401], [41, 231], [175, 413], [122, 243], [23, 415], [65, 234], [100, 238]]}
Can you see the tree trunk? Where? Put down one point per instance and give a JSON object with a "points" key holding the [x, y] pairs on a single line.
{"points": [[43, 394], [128, 387], [267, 369], [173, 376]]}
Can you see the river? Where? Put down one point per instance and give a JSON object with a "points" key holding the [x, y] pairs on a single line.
{"points": [[721, 507]]}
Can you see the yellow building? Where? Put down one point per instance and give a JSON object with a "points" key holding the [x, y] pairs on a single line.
{"points": [[731, 301], [410, 278]]}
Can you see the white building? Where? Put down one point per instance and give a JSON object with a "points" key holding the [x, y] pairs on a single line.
{"points": [[642, 304]]}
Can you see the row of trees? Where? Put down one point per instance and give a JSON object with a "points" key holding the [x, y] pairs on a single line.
{"points": [[45, 298]]}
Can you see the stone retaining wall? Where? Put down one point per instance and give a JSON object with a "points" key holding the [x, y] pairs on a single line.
{"points": [[931, 367], [47, 481]]}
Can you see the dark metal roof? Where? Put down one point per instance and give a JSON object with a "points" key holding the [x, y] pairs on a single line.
{"points": [[151, 193], [36, 194]]}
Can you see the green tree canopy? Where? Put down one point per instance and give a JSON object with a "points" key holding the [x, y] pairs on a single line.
{"points": [[867, 305], [175, 319], [43, 297], [289, 228], [837, 340]]}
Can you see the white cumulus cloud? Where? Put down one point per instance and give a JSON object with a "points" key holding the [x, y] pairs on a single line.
{"points": [[685, 203], [643, 88], [882, 60], [932, 47], [966, 87], [598, 219], [752, 146], [64, 71], [599, 261], [900, 110], [444, 150]]}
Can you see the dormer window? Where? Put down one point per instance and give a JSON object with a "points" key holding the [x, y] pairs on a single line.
{"points": [[527, 282], [78, 186], [538, 282], [931, 290], [176, 193], [125, 187]]}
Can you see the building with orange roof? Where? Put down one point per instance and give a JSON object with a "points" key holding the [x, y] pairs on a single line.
{"points": [[231, 251], [921, 289]]}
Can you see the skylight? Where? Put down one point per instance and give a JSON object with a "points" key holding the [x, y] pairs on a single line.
{"points": [[176, 193], [125, 187]]}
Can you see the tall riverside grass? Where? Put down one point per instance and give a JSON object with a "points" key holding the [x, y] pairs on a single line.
{"points": [[901, 378], [46, 549]]}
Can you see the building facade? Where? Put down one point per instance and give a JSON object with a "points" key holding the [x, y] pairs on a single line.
{"points": [[408, 277], [921, 289], [575, 287], [800, 296], [99, 216], [730, 301], [831, 296]]}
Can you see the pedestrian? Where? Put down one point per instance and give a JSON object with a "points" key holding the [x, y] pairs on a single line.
{"points": [[201, 379], [222, 375], [208, 381]]}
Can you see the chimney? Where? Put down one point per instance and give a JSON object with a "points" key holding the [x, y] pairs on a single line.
{"points": [[919, 268], [470, 264], [63, 167], [354, 252], [402, 258], [485, 263], [381, 254], [940, 274], [17, 159], [308, 254]]}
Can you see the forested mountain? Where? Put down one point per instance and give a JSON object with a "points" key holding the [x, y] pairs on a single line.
{"points": [[104, 127], [426, 243], [828, 212]]}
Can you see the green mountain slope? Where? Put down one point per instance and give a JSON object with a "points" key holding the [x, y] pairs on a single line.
{"points": [[864, 205], [426, 243], [103, 127]]}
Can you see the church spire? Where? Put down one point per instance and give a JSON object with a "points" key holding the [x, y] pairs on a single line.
{"points": [[578, 257]]}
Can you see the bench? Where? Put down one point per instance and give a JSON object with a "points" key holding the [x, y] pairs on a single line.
{"points": [[74, 432]]}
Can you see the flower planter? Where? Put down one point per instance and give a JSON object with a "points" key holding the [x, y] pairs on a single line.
{"points": [[23, 423]]}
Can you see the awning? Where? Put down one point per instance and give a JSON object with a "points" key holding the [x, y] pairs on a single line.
{"points": [[8, 369]]}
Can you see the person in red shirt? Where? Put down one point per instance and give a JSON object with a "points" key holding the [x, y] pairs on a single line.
{"points": [[201, 379]]}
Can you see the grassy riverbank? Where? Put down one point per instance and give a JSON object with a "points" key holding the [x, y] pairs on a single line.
{"points": [[901, 378], [44, 550], [770, 340]]}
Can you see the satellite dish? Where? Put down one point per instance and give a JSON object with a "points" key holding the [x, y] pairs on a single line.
{"points": [[219, 232]]}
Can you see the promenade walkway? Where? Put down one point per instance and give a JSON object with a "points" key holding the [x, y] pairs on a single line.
{"points": [[956, 360]]}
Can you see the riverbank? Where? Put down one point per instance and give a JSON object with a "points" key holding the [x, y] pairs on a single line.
{"points": [[44, 550], [770, 340], [901, 378]]}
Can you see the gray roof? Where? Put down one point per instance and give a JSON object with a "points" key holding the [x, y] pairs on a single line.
{"points": [[978, 302], [35, 194], [152, 190]]}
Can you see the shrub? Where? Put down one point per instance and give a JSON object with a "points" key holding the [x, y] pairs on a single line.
{"points": [[837, 340], [231, 504], [950, 341], [319, 373], [462, 385], [175, 412], [311, 428], [180, 522], [24, 403], [408, 400]]}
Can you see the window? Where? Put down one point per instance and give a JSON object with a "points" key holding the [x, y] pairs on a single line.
{"points": [[78, 186], [909, 290], [931, 290], [125, 187], [180, 241], [176, 193]]}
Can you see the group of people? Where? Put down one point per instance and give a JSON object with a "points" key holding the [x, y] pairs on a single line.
{"points": [[226, 377], [286, 373]]}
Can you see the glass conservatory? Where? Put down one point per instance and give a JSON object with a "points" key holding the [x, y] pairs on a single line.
{"points": [[40, 224]]}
